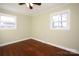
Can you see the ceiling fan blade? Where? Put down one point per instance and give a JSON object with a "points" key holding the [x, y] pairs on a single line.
{"points": [[37, 3], [30, 7], [21, 3]]}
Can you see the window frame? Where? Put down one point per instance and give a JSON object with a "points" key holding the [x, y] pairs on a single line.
{"points": [[8, 15], [59, 13]]}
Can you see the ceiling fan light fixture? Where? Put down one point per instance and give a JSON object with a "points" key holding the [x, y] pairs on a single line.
{"points": [[31, 4], [27, 4]]}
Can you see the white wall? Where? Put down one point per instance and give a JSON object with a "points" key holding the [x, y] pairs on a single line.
{"points": [[41, 28], [22, 31]]}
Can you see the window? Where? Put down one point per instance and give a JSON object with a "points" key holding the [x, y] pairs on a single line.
{"points": [[7, 21], [60, 20]]}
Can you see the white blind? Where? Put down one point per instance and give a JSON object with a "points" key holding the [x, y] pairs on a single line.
{"points": [[7, 22]]}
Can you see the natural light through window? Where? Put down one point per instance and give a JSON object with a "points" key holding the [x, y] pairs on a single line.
{"points": [[7, 21], [60, 20]]}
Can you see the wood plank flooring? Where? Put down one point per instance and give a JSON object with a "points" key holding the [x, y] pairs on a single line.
{"points": [[32, 47]]}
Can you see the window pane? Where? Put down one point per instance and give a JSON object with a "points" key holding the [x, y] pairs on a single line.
{"points": [[59, 24], [57, 18], [64, 24], [64, 17], [56, 24]]}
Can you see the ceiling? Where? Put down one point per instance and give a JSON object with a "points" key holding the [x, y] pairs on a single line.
{"points": [[25, 10]]}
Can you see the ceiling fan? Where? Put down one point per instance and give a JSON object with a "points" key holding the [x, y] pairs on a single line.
{"points": [[30, 5]]}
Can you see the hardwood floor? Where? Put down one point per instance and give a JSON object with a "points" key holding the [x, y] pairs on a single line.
{"points": [[33, 48]]}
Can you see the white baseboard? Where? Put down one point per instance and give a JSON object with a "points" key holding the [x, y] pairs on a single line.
{"points": [[13, 42], [59, 46]]}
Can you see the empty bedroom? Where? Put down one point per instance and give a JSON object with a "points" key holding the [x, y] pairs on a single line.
{"points": [[39, 29]]}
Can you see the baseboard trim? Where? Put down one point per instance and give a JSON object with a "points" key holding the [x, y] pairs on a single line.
{"points": [[59, 46], [4, 44]]}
